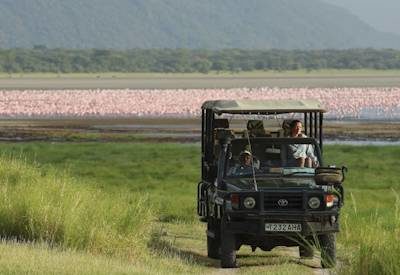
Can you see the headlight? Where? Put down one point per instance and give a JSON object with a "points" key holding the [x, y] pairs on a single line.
{"points": [[314, 202], [249, 202]]}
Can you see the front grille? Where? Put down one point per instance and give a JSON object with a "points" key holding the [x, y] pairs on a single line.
{"points": [[283, 201]]}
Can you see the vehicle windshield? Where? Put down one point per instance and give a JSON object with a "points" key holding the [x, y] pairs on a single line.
{"points": [[263, 158]]}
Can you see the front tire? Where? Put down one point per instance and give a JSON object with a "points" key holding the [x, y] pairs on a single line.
{"points": [[228, 246], [327, 243], [214, 244], [228, 249], [306, 251], [213, 247]]}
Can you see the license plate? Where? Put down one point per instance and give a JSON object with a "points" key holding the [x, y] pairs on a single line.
{"points": [[283, 227]]}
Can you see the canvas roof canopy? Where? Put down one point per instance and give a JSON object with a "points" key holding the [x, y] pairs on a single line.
{"points": [[263, 106]]}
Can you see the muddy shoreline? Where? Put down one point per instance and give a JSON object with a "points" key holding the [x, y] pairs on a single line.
{"points": [[167, 130]]}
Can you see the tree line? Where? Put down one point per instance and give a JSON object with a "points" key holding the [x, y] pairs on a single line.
{"points": [[42, 59]]}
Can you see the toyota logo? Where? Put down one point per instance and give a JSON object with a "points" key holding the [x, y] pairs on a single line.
{"points": [[283, 202]]}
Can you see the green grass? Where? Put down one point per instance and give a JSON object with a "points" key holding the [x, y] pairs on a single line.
{"points": [[157, 171], [40, 258], [370, 230], [371, 167], [46, 205], [19, 258], [90, 200], [370, 220]]}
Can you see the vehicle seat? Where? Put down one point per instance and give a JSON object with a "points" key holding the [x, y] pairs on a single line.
{"points": [[286, 127], [256, 128], [272, 156], [221, 123]]}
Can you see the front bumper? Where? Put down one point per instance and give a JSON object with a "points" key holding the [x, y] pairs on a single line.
{"points": [[312, 223]]}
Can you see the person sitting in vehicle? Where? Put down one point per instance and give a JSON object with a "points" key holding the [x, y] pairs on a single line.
{"points": [[246, 166], [301, 155]]}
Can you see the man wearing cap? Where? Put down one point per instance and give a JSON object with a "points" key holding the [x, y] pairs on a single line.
{"points": [[246, 165]]}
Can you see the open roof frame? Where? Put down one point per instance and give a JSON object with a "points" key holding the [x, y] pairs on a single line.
{"points": [[263, 106]]}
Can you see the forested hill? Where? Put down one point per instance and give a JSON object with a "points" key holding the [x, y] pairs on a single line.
{"points": [[210, 24]]}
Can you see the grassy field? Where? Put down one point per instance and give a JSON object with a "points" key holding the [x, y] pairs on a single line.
{"points": [[286, 79], [130, 208]]}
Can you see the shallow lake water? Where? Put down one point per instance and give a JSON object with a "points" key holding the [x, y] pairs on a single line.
{"points": [[367, 142]]}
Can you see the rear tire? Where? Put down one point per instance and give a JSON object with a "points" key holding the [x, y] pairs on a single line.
{"points": [[327, 243]]}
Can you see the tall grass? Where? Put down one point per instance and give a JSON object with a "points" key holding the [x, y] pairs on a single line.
{"points": [[104, 203], [370, 220], [371, 239], [166, 173], [49, 206]]}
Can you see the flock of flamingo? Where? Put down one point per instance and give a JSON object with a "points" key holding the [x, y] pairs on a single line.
{"points": [[341, 103]]}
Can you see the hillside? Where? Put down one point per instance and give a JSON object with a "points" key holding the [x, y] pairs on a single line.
{"points": [[382, 15], [251, 24]]}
